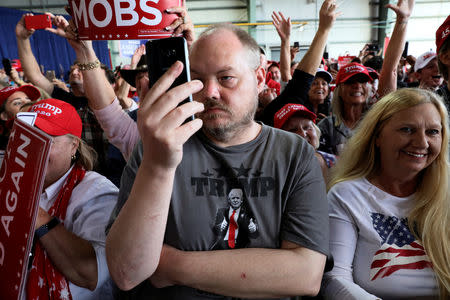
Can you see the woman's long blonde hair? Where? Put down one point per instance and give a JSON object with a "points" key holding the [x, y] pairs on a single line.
{"points": [[431, 212]]}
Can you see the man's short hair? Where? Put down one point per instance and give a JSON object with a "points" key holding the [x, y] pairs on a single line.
{"points": [[443, 69], [246, 40]]}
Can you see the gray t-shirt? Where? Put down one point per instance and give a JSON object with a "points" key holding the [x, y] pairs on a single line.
{"points": [[282, 195]]}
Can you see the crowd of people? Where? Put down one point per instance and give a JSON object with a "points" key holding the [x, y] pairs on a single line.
{"points": [[293, 179]]}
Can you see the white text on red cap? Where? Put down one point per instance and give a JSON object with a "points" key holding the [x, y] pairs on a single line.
{"points": [[354, 67], [54, 109]]}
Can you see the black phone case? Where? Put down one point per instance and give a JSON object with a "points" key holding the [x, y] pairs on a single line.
{"points": [[162, 54]]}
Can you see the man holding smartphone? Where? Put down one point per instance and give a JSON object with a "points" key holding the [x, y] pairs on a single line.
{"points": [[192, 171]]}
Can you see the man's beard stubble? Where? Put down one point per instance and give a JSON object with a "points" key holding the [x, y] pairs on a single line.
{"points": [[224, 132]]}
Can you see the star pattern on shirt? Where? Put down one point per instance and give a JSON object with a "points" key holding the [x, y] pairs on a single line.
{"points": [[242, 171], [207, 173], [392, 230]]}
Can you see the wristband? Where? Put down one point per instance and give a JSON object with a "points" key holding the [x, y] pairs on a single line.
{"points": [[89, 65], [44, 229]]}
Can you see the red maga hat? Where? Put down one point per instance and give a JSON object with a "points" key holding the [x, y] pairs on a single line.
{"points": [[442, 33], [29, 90], [56, 117], [350, 70], [288, 110]]}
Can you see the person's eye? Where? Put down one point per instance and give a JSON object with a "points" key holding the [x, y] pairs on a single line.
{"points": [[406, 129], [227, 81], [433, 131]]}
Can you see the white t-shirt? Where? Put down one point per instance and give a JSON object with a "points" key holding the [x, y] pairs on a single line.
{"points": [[375, 253]]}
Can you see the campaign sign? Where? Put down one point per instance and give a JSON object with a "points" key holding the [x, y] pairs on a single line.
{"points": [[345, 60], [123, 19], [21, 180]]}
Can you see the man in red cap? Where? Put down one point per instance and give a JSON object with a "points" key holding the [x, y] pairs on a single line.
{"points": [[443, 51]]}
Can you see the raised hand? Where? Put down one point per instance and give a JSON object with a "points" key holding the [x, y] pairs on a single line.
{"points": [[60, 22], [328, 14], [282, 25], [21, 31], [182, 25], [160, 120], [403, 9], [137, 56]]}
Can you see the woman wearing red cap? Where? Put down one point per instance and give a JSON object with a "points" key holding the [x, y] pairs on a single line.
{"points": [[352, 94], [348, 105], [11, 100], [68, 256], [298, 119]]}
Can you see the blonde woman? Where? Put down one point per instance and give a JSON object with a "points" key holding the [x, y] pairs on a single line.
{"points": [[390, 207]]}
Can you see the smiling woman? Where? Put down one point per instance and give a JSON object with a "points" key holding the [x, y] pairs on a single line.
{"points": [[350, 101], [390, 204]]}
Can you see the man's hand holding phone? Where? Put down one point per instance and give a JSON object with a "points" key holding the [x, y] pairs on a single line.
{"points": [[160, 119]]}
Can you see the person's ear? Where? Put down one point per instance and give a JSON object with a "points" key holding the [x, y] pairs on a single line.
{"points": [[444, 57], [261, 78], [75, 145], [4, 116]]}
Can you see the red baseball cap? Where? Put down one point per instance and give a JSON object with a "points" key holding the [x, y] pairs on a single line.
{"points": [[56, 117], [350, 70], [442, 33], [29, 90], [288, 110], [16, 64]]}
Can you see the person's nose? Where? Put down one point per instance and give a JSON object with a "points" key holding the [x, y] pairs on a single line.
{"points": [[301, 132], [421, 139], [211, 89]]}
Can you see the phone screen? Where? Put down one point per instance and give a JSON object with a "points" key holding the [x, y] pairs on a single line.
{"points": [[162, 54]]}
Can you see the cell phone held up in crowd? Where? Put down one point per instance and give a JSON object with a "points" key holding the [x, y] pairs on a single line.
{"points": [[7, 66], [38, 22], [162, 54], [296, 45]]}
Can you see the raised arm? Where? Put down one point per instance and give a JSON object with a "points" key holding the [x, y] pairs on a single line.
{"points": [[124, 87], [388, 75], [327, 15], [283, 27], [29, 63], [98, 90], [143, 218]]}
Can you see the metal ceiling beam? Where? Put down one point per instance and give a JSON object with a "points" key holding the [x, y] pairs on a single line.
{"points": [[383, 22], [251, 13]]}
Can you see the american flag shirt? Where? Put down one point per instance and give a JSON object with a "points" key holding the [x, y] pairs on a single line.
{"points": [[375, 253]]}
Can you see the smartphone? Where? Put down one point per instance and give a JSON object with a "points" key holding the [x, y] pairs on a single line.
{"points": [[38, 22], [373, 48], [162, 54], [296, 45], [7, 66], [405, 50]]}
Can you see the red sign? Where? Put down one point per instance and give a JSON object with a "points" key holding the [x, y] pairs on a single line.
{"points": [[345, 60], [21, 179], [122, 19]]}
